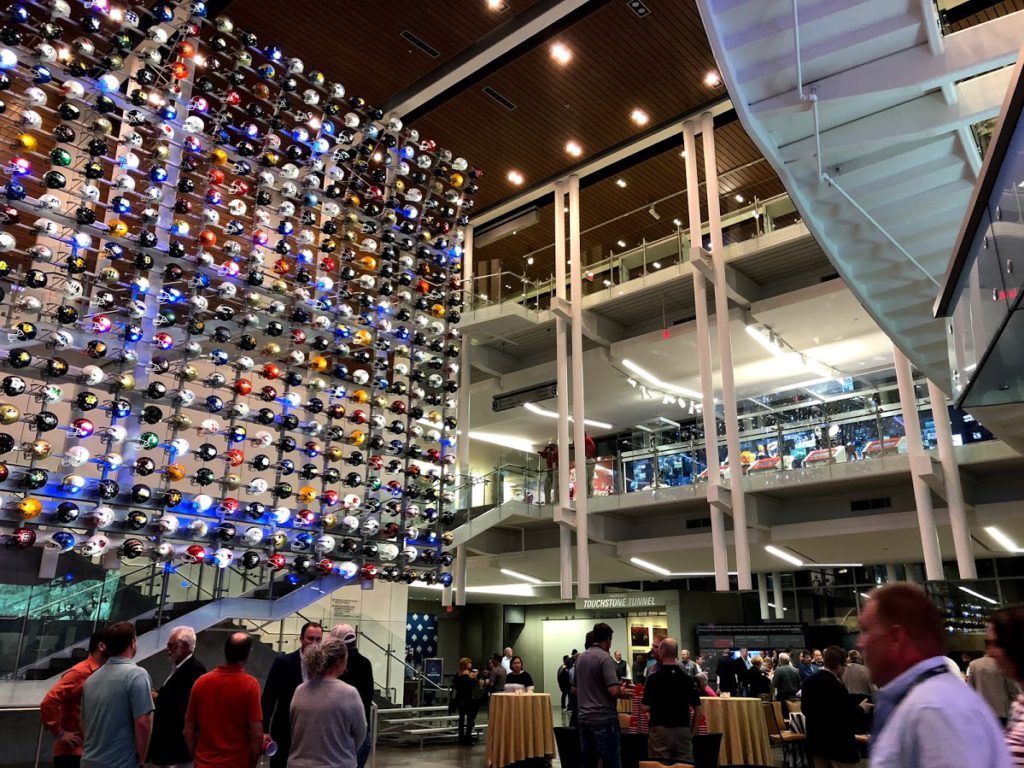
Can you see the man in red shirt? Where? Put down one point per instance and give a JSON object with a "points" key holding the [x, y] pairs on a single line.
{"points": [[61, 708], [550, 456], [224, 722]]}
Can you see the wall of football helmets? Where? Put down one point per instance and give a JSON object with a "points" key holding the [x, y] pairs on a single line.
{"points": [[231, 293]]}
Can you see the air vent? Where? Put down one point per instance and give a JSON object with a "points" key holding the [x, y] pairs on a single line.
{"points": [[698, 522], [638, 8], [863, 505], [421, 44], [499, 98]]}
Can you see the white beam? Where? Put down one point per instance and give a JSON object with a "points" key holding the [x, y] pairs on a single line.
{"points": [[502, 45]]}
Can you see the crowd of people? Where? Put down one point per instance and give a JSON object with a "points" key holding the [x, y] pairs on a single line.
{"points": [[312, 710]]}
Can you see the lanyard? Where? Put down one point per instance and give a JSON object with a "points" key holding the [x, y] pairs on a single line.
{"points": [[885, 707]]}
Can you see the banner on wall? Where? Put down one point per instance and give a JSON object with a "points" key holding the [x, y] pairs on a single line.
{"points": [[420, 636]]}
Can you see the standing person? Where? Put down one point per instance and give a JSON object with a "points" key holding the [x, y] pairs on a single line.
{"points": [[1005, 641], [924, 715], [327, 714], [831, 715], [550, 456], [168, 747], [590, 449], [785, 682], [701, 680], [358, 673], [564, 681], [755, 680], [284, 677], [621, 667], [728, 673], [496, 680], [506, 660], [857, 678], [117, 705], [464, 698], [806, 668], [597, 688], [818, 660], [744, 658], [224, 721], [518, 675], [688, 665], [639, 663], [673, 702], [999, 690], [61, 708]]}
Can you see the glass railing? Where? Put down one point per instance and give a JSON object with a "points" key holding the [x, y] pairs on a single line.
{"points": [[649, 259]]}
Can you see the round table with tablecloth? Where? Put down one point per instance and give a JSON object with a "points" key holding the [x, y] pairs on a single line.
{"points": [[743, 729], [519, 727]]}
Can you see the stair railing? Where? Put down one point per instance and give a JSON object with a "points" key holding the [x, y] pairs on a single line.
{"points": [[420, 678]]}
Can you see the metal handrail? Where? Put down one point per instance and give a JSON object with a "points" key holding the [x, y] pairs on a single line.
{"points": [[39, 736], [391, 654], [101, 584]]}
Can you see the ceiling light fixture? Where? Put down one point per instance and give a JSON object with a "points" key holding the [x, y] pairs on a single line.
{"points": [[656, 265], [534, 408], [784, 608], [712, 79], [654, 213], [560, 52], [783, 555], [620, 183], [521, 576], [654, 381], [648, 566], [677, 222], [738, 198], [639, 117], [529, 261], [682, 153], [1002, 539], [508, 441], [621, 243], [515, 177], [573, 149], [607, 283], [506, 590], [980, 596], [496, 5], [767, 339]]}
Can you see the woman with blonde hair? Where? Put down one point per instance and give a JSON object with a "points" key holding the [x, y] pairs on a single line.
{"points": [[328, 721]]}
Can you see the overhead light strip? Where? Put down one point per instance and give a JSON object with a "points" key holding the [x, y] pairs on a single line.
{"points": [[1002, 539], [980, 596], [541, 411], [654, 381], [520, 576], [783, 555]]}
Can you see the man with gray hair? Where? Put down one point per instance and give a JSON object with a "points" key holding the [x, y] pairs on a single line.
{"points": [[359, 674], [673, 702], [785, 682], [167, 747]]}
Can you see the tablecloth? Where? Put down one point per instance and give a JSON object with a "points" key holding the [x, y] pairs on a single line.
{"points": [[744, 732], [519, 727]]}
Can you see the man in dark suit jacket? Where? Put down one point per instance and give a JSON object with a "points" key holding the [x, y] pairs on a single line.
{"points": [[830, 713], [728, 672], [167, 746], [284, 677], [359, 674]]}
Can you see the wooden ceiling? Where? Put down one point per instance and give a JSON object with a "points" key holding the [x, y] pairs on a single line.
{"points": [[994, 11], [620, 62]]}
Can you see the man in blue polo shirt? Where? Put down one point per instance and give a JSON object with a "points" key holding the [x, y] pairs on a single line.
{"points": [[925, 716], [117, 706]]}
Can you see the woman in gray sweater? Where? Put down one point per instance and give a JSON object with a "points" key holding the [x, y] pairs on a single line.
{"points": [[328, 721]]}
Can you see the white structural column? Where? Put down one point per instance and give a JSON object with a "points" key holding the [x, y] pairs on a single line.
{"points": [[562, 383], [707, 388], [762, 596], [579, 428], [732, 427], [462, 446], [954, 490], [780, 608], [919, 465]]}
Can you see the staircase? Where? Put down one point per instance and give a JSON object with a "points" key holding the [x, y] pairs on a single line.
{"points": [[885, 183]]}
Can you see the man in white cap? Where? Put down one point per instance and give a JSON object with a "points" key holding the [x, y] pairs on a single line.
{"points": [[358, 674]]}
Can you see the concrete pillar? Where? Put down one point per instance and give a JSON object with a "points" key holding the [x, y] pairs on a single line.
{"points": [[732, 430], [915, 449], [762, 596], [954, 490], [780, 609], [462, 443], [579, 428], [562, 384], [707, 389]]}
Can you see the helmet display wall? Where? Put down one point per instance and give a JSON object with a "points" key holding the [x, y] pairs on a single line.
{"points": [[232, 298]]}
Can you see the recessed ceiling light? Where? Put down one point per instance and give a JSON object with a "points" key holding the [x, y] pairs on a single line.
{"points": [[573, 148], [639, 117], [621, 243], [560, 52], [677, 222], [515, 177], [607, 283], [496, 5], [712, 79], [682, 153], [738, 198], [529, 261], [377, 157], [656, 265], [620, 183]]}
